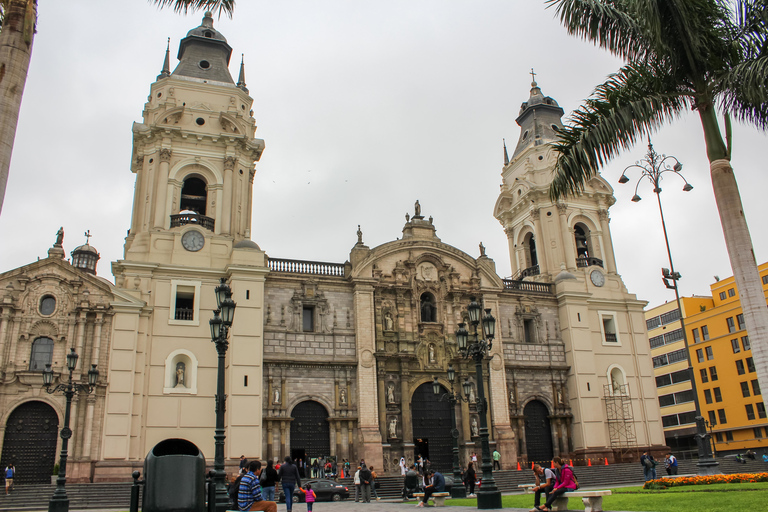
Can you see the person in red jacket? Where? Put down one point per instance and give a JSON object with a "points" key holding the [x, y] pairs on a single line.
{"points": [[565, 482]]}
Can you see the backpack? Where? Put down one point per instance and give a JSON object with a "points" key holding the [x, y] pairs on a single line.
{"points": [[574, 477], [647, 462]]}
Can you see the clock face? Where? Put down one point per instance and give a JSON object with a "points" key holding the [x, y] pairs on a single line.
{"points": [[193, 240], [597, 277]]}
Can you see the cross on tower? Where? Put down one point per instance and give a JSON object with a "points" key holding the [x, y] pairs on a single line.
{"points": [[533, 75], [88, 236]]}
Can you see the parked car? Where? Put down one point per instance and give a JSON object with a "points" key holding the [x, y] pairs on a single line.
{"points": [[325, 490]]}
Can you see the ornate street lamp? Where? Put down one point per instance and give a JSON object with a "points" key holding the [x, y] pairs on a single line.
{"points": [[457, 491], [653, 166], [220, 326], [59, 502], [489, 495]]}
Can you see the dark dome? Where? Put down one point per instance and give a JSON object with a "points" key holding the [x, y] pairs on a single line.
{"points": [[206, 29], [247, 244]]}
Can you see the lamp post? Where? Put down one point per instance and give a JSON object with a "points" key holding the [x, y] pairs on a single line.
{"points": [[489, 495], [653, 166], [219, 333], [59, 502], [457, 491]]}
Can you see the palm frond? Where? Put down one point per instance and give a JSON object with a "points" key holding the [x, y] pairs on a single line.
{"points": [[751, 20], [742, 91], [184, 6], [630, 104], [609, 24]]}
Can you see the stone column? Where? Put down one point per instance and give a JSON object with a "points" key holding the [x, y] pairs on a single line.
{"points": [[566, 237], [610, 258], [4, 320], [161, 190], [283, 437], [541, 249], [405, 399], [91, 401], [226, 219], [514, 260]]}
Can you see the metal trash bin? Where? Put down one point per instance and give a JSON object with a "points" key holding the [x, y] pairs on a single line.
{"points": [[174, 478]]}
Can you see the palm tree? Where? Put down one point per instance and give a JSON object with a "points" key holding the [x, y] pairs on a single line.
{"points": [[18, 19], [711, 55]]}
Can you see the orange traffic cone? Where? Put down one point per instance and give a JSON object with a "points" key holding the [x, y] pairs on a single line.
{"points": [[341, 473], [606, 461], [570, 462], [518, 466], [531, 464], [552, 465], [589, 462]]}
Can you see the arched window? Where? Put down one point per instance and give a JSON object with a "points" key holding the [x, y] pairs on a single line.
{"points": [[530, 245], [581, 237], [42, 354], [428, 308], [194, 196], [617, 380]]}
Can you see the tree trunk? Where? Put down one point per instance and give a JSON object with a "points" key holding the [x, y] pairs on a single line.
{"points": [[743, 263], [15, 52]]}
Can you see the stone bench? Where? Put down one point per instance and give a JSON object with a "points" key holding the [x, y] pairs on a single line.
{"points": [[593, 500], [528, 488], [438, 497]]}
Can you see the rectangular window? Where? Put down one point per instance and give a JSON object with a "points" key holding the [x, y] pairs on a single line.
{"points": [[719, 437], [740, 321], [700, 355], [708, 396], [670, 316], [721, 416], [528, 330], [729, 436], [660, 361], [609, 328], [718, 395], [745, 343], [750, 412], [308, 319], [656, 341], [765, 279], [740, 367], [713, 373], [670, 421], [184, 299], [731, 292], [696, 337], [735, 345], [677, 356], [731, 324], [710, 354], [704, 332], [653, 323], [686, 418], [712, 418], [760, 409], [185, 303], [750, 365], [745, 389], [681, 376], [666, 400], [758, 432], [704, 377], [663, 380], [722, 295], [755, 388]]}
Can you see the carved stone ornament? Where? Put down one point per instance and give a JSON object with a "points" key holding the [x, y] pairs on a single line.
{"points": [[427, 272], [165, 155], [229, 163]]}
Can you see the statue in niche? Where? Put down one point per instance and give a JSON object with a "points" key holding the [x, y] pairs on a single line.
{"points": [[417, 208], [180, 370], [389, 324], [393, 427], [390, 393], [472, 396], [512, 396], [473, 426], [432, 358], [560, 393], [276, 396], [343, 397]]}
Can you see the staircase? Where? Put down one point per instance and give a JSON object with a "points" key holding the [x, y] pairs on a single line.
{"points": [[98, 495]]}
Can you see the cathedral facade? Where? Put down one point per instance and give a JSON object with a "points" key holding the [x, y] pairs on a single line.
{"points": [[330, 359]]}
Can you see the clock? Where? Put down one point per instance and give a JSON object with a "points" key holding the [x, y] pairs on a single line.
{"points": [[597, 277], [192, 240]]}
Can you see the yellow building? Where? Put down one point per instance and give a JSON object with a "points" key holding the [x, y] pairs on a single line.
{"points": [[729, 393], [670, 366]]}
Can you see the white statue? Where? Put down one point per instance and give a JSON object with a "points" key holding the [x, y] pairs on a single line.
{"points": [[393, 427], [472, 394], [432, 354], [343, 397], [180, 368], [276, 395], [475, 429], [391, 393], [388, 322]]}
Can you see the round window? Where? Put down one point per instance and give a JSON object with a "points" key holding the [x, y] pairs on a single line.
{"points": [[200, 121], [47, 305], [204, 64]]}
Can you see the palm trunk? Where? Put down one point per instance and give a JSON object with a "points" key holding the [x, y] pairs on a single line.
{"points": [[743, 263], [16, 38]]}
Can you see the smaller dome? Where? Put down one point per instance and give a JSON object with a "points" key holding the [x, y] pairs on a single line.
{"points": [[206, 30], [564, 276], [247, 244], [86, 257], [85, 248]]}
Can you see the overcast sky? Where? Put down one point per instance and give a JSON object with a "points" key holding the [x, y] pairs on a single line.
{"points": [[364, 107]]}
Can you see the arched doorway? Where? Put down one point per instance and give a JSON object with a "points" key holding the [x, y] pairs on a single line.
{"points": [[310, 432], [538, 434], [432, 428], [30, 442]]}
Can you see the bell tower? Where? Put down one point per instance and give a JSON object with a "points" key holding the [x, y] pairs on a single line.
{"points": [[194, 156], [568, 243]]}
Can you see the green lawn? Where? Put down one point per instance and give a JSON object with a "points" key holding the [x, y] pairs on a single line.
{"points": [[701, 498]]}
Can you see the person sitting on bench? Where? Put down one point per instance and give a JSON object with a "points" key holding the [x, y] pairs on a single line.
{"points": [[565, 483], [437, 485]]}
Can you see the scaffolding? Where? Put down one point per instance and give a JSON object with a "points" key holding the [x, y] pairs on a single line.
{"points": [[618, 413]]}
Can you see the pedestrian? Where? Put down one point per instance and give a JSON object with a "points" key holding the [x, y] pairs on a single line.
{"points": [[309, 496], [649, 466], [365, 483], [249, 496], [469, 479], [357, 484], [289, 476], [268, 480], [243, 462], [420, 465], [542, 487], [410, 483], [670, 464], [437, 485], [374, 476], [402, 466], [10, 473], [234, 487], [496, 460], [474, 457], [565, 482]]}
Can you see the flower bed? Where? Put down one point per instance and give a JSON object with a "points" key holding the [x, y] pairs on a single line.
{"points": [[663, 483]]}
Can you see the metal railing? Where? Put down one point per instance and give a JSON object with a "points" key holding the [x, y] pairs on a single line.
{"points": [[588, 262], [318, 268], [182, 219], [530, 271], [527, 286]]}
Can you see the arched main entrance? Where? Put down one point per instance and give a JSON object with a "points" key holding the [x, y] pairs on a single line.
{"points": [[432, 428], [310, 432], [538, 434], [30, 442]]}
